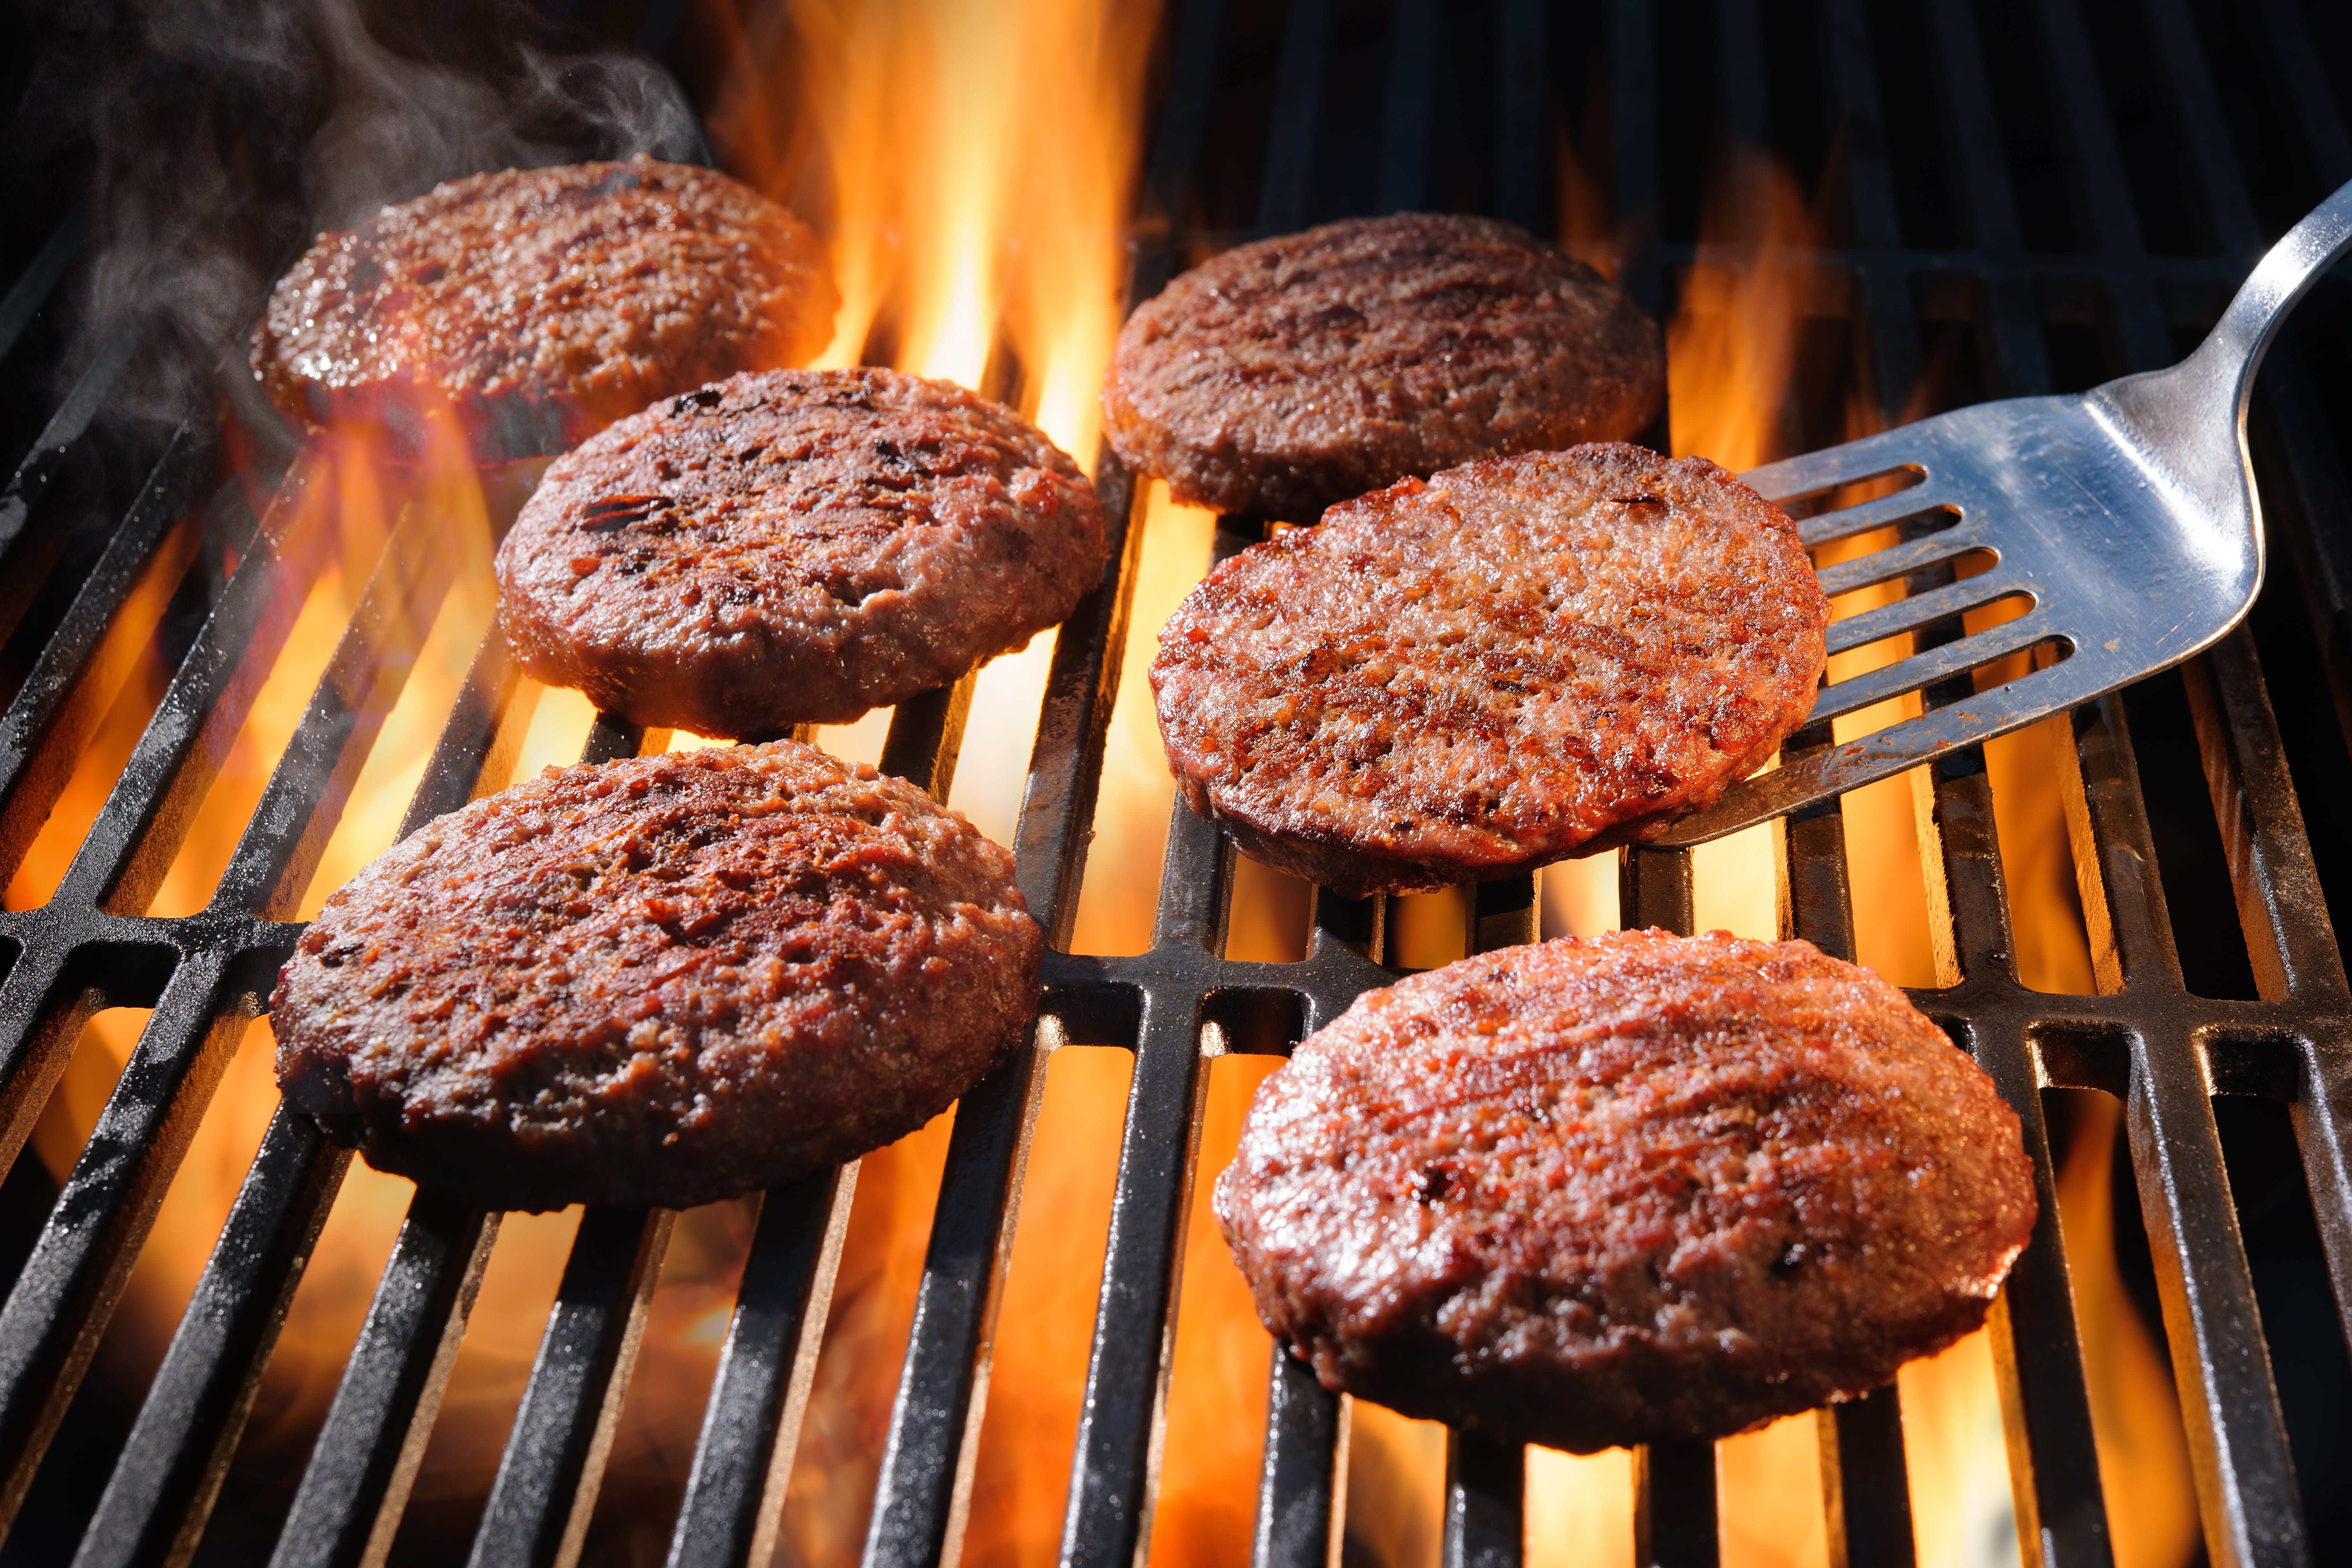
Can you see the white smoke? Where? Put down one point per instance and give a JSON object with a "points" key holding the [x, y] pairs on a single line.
{"points": [[228, 132]]}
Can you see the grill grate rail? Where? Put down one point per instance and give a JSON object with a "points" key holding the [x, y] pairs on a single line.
{"points": [[2143, 1037]]}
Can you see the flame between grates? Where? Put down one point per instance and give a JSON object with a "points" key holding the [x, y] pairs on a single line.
{"points": [[2143, 1037]]}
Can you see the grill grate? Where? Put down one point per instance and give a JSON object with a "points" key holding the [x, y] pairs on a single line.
{"points": [[1902, 276]]}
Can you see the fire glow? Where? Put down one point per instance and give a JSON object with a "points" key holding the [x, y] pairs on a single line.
{"points": [[971, 167]]}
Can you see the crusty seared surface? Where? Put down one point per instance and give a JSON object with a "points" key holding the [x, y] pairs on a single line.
{"points": [[662, 981], [795, 547], [1281, 377], [1466, 677], [543, 304], [1625, 1189]]}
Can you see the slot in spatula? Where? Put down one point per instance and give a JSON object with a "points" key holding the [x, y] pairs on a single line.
{"points": [[2125, 514]]}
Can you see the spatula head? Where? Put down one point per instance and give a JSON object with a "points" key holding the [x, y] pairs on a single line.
{"points": [[2122, 522]]}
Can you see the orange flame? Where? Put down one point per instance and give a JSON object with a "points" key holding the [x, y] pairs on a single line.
{"points": [[977, 238], [989, 239], [1732, 357]]}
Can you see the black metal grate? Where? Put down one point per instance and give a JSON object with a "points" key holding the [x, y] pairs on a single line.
{"points": [[2021, 194]]}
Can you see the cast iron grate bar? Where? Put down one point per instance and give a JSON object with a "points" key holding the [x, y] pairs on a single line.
{"points": [[1865, 1476], [744, 1454], [2148, 1039], [2285, 918], [161, 1491], [925, 1475], [1865, 1481], [64, 1297], [547, 1482], [1135, 1316], [357, 1480], [2046, 1399], [548, 1477], [1674, 1506], [1485, 1494], [2239, 1450], [922, 746], [1303, 1474], [156, 1504], [26, 552], [122, 859], [1301, 1491], [1674, 1483], [82, 665], [1486, 1480], [40, 278]]}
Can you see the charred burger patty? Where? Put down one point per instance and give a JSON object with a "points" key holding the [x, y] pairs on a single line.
{"points": [[1625, 1189], [795, 547], [540, 305], [1281, 377], [663, 981], [1469, 677]]}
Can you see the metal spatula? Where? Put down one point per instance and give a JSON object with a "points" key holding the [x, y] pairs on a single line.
{"points": [[2127, 514]]}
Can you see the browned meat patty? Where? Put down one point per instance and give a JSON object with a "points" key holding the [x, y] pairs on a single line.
{"points": [[1463, 679], [662, 981], [795, 547], [1625, 1189], [1279, 378], [543, 304]]}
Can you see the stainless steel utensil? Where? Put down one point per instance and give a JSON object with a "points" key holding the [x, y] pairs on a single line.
{"points": [[2127, 514]]}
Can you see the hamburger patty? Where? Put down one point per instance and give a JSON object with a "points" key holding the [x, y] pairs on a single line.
{"points": [[1625, 1189], [543, 304], [1284, 376], [1466, 677], [795, 547], [662, 981]]}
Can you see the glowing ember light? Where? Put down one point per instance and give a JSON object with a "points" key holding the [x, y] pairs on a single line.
{"points": [[977, 236]]}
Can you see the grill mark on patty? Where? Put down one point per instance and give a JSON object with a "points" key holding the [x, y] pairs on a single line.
{"points": [[1282, 377], [1626, 1189], [540, 305], [1464, 677], [794, 546], [662, 981]]}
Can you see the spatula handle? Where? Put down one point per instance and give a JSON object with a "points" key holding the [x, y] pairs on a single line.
{"points": [[2278, 280]]}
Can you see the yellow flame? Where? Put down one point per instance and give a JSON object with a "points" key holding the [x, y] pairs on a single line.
{"points": [[1022, 1479], [1731, 347], [965, 221], [960, 183], [1122, 891], [953, 205], [1954, 1447], [1217, 1388], [2135, 1414], [1730, 359]]}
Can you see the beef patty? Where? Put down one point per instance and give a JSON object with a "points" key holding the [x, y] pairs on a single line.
{"points": [[795, 547], [1625, 1189], [1466, 677], [540, 305], [661, 981], [1281, 377]]}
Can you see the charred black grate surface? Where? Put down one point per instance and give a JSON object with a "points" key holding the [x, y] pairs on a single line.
{"points": [[2013, 195]]}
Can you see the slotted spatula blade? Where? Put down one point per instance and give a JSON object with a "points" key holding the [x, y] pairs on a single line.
{"points": [[2126, 515]]}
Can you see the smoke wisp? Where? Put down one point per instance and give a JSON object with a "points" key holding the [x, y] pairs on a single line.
{"points": [[224, 134]]}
